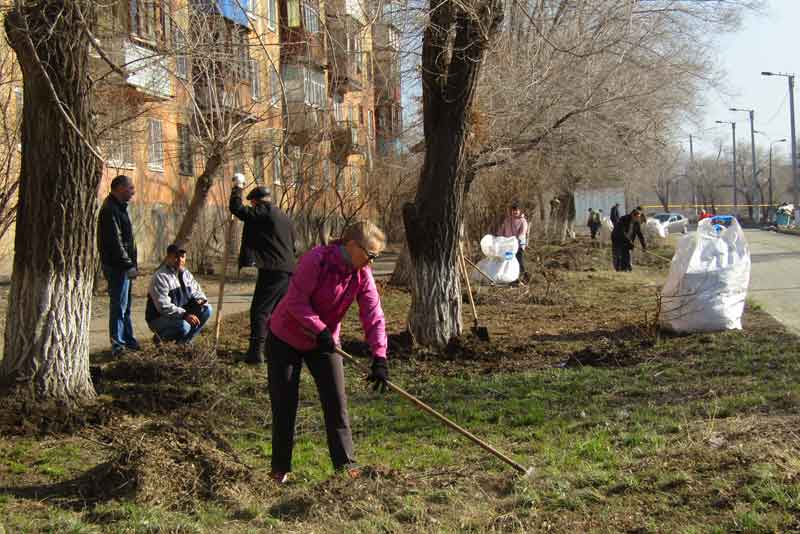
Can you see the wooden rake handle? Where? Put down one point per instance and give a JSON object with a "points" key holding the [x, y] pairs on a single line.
{"points": [[424, 407]]}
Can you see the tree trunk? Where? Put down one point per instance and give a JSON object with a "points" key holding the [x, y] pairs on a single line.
{"points": [[401, 276], [46, 342], [453, 49], [199, 200]]}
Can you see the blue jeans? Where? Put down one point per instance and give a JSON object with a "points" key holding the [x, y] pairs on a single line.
{"points": [[176, 329], [120, 327]]}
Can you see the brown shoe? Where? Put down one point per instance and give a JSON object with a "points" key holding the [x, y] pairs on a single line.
{"points": [[353, 472]]}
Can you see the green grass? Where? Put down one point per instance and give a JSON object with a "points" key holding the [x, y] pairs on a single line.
{"points": [[694, 434]]}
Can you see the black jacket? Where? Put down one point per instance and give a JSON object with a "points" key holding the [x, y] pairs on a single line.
{"points": [[115, 235], [268, 236], [614, 215], [626, 231]]}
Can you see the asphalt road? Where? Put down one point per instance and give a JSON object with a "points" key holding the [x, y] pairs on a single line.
{"points": [[775, 275]]}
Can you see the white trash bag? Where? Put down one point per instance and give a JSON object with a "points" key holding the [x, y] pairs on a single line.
{"points": [[707, 282], [606, 227], [500, 262]]}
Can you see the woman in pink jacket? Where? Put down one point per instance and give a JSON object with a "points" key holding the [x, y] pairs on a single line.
{"points": [[305, 327]]}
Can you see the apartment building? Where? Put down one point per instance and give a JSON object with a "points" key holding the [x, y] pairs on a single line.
{"points": [[286, 91]]}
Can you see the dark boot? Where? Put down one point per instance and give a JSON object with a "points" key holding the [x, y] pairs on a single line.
{"points": [[255, 353]]}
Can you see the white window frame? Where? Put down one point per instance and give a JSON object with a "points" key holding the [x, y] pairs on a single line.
{"points": [[181, 60], [310, 18], [155, 145], [120, 154], [255, 79], [393, 37], [355, 176], [272, 14], [370, 122]]}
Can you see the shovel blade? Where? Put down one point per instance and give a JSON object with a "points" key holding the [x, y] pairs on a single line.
{"points": [[481, 332]]}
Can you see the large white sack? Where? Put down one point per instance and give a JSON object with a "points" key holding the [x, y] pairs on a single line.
{"points": [[606, 227], [500, 262], [707, 282]]}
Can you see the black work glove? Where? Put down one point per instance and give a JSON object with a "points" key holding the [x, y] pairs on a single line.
{"points": [[325, 341], [379, 374]]}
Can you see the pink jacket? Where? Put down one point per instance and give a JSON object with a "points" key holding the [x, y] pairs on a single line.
{"points": [[514, 227], [321, 290]]}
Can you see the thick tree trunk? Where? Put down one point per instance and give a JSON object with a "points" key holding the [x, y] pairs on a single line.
{"points": [[49, 308], [453, 49], [199, 200]]}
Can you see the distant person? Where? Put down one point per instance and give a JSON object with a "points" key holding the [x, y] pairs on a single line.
{"points": [[268, 239], [177, 308], [593, 222], [623, 236], [614, 214], [305, 328], [119, 262], [516, 225]]}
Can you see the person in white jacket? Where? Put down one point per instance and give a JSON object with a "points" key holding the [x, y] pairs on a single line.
{"points": [[177, 308], [516, 225]]}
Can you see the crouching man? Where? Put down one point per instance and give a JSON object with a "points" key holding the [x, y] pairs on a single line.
{"points": [[177, 309]]}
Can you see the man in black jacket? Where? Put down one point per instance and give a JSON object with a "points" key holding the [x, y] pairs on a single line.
{"points": [[614, 214], [625, 232], [268, 238], [118, 259]]}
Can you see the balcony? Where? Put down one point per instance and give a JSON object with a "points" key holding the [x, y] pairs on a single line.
{"points": [[346, 139], [224, 103], [300, 34], [302, 123], [345, 72], [387, 87]]}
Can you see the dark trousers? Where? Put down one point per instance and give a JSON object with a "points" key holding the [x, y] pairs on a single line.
{"points": [[271, 286], [120, 326], [283, 374], [621, 254], [521, 260], [593, 228]]}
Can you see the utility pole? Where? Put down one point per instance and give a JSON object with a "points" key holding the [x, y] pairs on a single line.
{"points": [[691, 174], [793, 140], [753, 183], [733, 133]]}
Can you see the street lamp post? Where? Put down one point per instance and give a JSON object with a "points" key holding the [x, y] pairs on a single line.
{"points": [[793, 138], [753, 184], [735, 196]]}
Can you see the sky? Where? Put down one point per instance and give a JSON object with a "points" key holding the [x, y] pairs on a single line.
{"points": [[766, 42]]}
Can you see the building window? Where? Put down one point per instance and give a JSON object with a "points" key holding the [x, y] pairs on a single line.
{"points": [[255, 79], [357, 54], [150, 20], [326, 175], [242, 51], [277, 167], [293, 13], [275, 85], [181, 61], [314, 88], [340, 178], [120, 153], [355, 175], [361, 115], [272, 14], [185, 152], [394, 38], [370, 132], [338, 107], [155, 145], [310, 18], [258, 163]]}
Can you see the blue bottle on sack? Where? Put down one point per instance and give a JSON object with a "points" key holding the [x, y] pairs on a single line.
{"points": [[508, 255]]}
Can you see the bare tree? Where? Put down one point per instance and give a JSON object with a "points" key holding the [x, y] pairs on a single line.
{"points": [[46, 347]]}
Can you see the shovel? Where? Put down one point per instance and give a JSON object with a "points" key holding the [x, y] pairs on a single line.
{"points": [[481, 332]]}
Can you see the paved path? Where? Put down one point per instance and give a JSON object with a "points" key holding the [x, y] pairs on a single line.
{"points": [[236, 301], [775, 276]]}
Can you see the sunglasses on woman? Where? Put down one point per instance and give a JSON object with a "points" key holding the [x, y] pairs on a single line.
{"points": [[370, 255]]}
